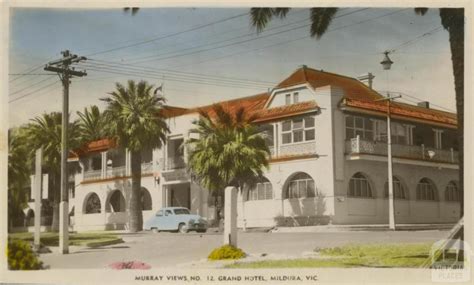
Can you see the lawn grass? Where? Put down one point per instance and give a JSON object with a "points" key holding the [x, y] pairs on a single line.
{"points": [[84, 239], [373, 255]]}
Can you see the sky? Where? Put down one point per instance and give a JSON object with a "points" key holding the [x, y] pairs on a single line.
{"points": [[204, 55]]}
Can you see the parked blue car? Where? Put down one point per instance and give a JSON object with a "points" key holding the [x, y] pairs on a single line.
{"points": [[175, 219]]}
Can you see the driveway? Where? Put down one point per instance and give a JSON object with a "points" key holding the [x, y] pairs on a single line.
{"points": [[172, 249]]}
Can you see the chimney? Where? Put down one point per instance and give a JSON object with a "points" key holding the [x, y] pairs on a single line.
{"points": [[424, 104], [367, 79]]}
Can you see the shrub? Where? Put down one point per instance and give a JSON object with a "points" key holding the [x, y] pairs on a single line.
{"points": [[21, 256], [226, 252]]}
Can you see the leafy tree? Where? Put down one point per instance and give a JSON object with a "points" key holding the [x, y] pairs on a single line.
{"points": [[91, 124], [45, 131], [135, 120], [18, 174], [230, 150], [452, 19]]}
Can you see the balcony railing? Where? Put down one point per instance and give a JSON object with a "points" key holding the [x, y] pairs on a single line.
{"points": [[92, 174], [360, 146], [119, 171], [172, 163], [297, 149], [147, 167]]}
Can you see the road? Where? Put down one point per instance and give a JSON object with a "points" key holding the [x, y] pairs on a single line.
{"points": [[172, 249]]}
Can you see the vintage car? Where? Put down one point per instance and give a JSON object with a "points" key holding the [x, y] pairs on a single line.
{"points": [[175, 219]]}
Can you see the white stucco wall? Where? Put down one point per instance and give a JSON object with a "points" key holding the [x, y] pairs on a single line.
{"points": [[278, 96]]}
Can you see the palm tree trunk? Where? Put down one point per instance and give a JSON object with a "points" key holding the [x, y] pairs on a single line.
{"points": [[56, 187], [453, 21], [135, 207]]}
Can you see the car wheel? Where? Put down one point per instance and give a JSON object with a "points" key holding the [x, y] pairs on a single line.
{"points": [[182, 228], [155, 230], [201, 231]]}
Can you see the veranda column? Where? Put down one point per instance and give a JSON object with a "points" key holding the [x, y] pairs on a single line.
{"points": [[230, 216]]}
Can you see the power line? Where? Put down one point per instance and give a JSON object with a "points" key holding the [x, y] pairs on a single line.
{"points": [[170, 35], [416, 39], [242, 41], [417, 98], [218, 34], [169, 76], [146, 75], [31, 85], [222, 41], [290, 41], [32, 92], [189, 74]]}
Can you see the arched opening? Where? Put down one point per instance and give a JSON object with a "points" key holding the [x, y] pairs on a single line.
{"points": [[145, 199], [426, 190], [92, 204], [452, 193], [262, 190], [116, 202], [299, 185], [359, 186], [399, 189]]}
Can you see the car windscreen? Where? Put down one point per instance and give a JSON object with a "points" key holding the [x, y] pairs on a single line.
{"points": [[181, 212]]}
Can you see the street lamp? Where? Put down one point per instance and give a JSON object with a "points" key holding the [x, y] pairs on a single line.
{"points": [[386, 64]]}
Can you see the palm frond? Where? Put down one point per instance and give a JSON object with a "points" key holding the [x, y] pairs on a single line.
{"points": [[320, 20]]}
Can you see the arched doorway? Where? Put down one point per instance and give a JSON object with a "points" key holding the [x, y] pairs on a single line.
{"points": [[116, 202], [145, 199], [92, 204]]}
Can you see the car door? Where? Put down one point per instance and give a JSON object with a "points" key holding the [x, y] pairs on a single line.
{"points": [[168, 220], [158, 220]]}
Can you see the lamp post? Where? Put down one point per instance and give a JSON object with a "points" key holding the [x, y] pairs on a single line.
{"points": [[386, 64]]}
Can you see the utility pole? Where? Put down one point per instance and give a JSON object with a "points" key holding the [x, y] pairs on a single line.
{"points": [[62, 68], [391, 201]]}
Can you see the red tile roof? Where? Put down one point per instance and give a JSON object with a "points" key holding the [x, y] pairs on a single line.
{"points": [[352, 87], [356, 95], [286, 111], [405, 110], [359, 95]]}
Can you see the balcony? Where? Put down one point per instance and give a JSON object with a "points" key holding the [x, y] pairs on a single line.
{"points": [[360, 146], [294, 149], [172, 163], [111, 172]]}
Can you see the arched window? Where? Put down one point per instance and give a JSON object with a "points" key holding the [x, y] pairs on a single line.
{"points": [[452, 192], [399, 189], [116, 202], [300, 185], [145, 199], [261, 191], [92, 204], [426, 190], [359, 186]]}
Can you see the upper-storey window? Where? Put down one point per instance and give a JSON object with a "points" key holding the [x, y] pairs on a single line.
{"points": [[289, 99], [296, 98], [359, 126], [298, 130], [400, 133]]}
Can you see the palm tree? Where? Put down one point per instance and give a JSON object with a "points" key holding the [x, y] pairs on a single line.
{"points": [[18, 172], [45, 131], [452, 19], [230, 150], [91, 124], [135, 121]]}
